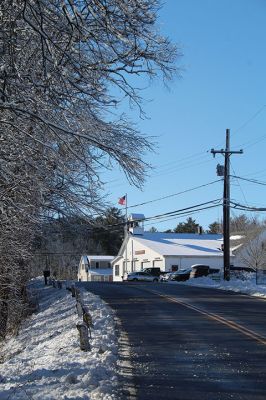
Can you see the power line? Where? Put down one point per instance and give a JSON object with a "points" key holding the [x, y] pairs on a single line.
{"points": [[198, 155], [172, 170], [181, 215], [249, 180], [238, 206], [176, 212], [195, 155], [251, 143], [169, 171], [253, 116], [244, 197], [187, 212], [258, 173], [180, 211], [175, 194], [171, 214], [250, 119]]}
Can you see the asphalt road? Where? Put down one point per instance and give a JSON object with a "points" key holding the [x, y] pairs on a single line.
{"points": [[186, 343]]}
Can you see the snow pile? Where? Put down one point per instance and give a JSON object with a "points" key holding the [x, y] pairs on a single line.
{"points": [[236, 237], [45, 362], [247, 285]]}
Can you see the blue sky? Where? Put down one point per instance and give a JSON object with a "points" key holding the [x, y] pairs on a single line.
{"points": [[222, 86]]}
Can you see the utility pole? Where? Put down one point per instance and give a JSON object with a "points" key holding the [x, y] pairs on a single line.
{"points": [[126, 235], [226, 202]]}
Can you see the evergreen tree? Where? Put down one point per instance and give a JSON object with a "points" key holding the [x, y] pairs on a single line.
{"points": [[108, 230], [215, 227], [190, 226]]}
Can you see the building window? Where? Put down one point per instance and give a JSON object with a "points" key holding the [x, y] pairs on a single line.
{"points": [[97, 264], [109, 265], [116, 270]]}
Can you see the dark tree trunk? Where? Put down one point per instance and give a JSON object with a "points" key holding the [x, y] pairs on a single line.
{"points": [[3, 319]]}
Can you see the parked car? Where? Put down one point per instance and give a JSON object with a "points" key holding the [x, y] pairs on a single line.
{"points": [[214, 270], [244, 269], [165, 276], [180, 275], [241, 272], [155, 271], [141, 276], [198, 270]]}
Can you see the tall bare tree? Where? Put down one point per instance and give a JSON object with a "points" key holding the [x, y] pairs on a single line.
{"points": [[252, 253], [65, 66]]}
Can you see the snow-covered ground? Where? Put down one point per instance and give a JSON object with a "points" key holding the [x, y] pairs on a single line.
{"points": [[45, 362], [247, 285]]}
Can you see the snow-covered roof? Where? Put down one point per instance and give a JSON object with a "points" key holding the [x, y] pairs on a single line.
{"points": [[89, 258], [233, 248], [103, 258], [136, 217], [182, 244], [236, 237], [101, 271]]}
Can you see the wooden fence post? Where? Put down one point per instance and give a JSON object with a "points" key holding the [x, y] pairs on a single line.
{"points": [[79, 308], [87, 318], [77, 293], [73, 290], [83, 335]]}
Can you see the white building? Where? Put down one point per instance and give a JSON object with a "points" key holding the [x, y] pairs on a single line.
{"points": [[95, 268], [169, 251]]}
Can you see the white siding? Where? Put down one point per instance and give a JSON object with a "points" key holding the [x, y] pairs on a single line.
{"points": [[158, 264], [146, 264], [186, 262], [138, 257], [118, 270], [103, 262], [82, 271]]}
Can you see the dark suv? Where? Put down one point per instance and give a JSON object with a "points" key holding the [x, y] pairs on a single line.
{"points": [[180, 275], [199, 270]]}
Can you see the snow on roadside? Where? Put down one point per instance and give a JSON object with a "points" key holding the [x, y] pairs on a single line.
{"points": [[247, 285], [44, 362]]}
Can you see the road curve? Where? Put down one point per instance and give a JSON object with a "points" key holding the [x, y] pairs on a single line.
{"points": [[188, 343]]}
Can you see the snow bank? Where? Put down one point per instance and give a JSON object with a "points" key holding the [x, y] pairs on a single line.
{"points": [[247, 285], [44, 362]]}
